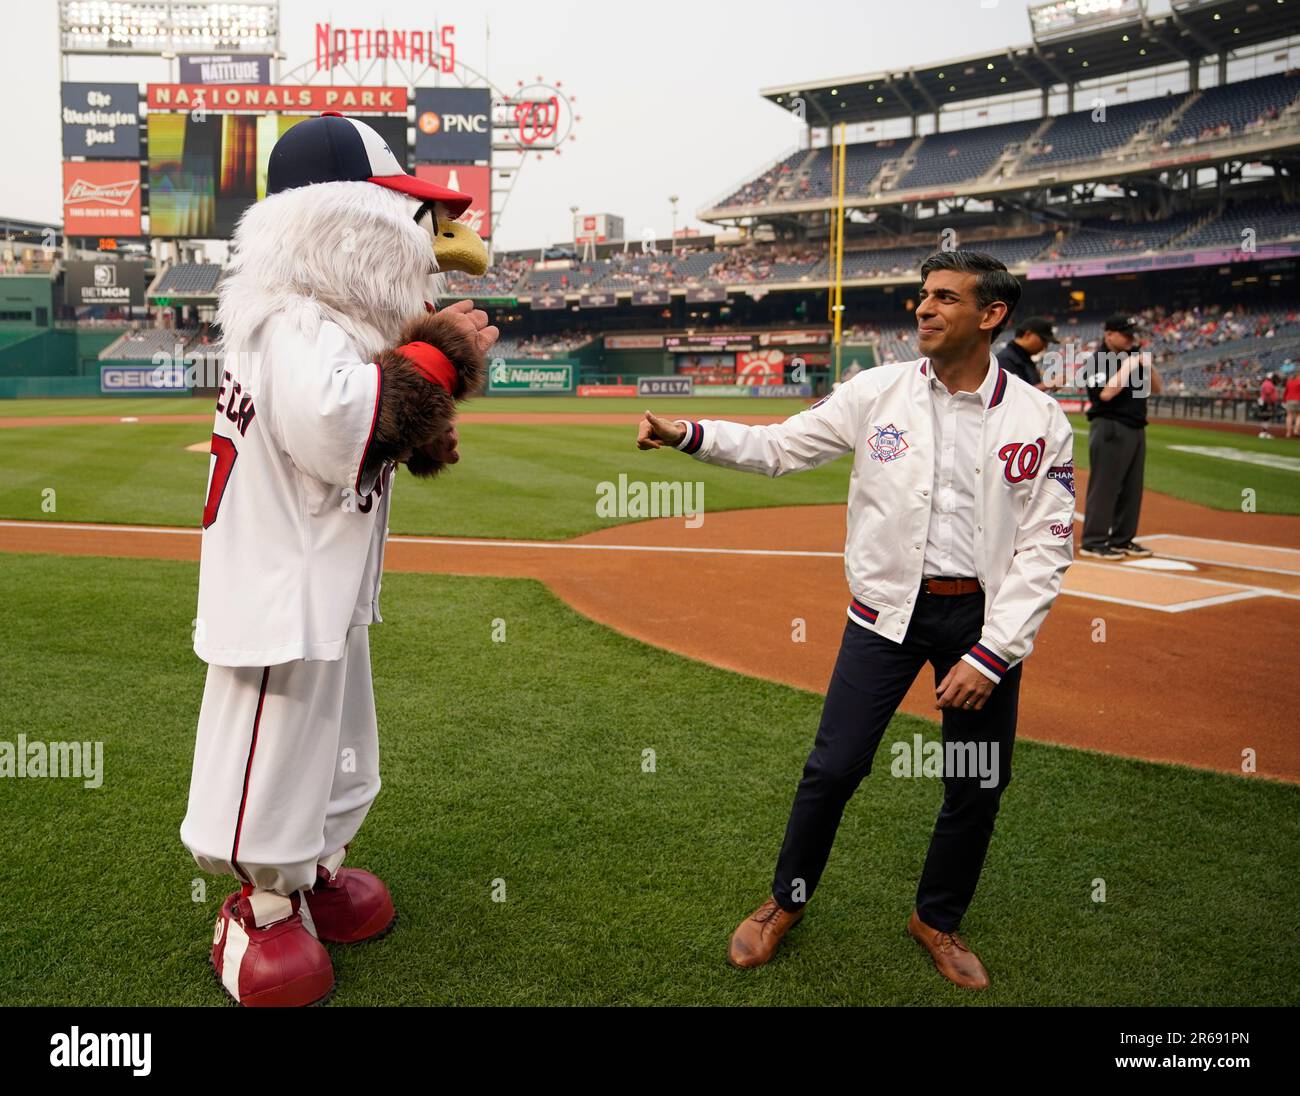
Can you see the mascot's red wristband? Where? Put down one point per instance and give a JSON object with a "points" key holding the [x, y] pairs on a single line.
{"points": [[432, 362]]}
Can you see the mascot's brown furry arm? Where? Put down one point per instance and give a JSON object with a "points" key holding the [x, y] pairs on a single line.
{"points": [[415, 410]]}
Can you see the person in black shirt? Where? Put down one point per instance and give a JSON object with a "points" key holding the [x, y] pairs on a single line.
{"points": [[1032, 337], [1118, 384]]}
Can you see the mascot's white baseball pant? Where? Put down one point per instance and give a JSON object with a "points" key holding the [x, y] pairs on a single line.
{"points": [[286, 765]]}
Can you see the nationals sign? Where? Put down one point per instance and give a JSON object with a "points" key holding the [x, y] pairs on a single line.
{"points": [[276, 97], [341, 45], [466, 179], [101, 199]]}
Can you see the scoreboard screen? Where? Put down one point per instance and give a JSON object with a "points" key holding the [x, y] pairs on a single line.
{"points": [[204, 173]]}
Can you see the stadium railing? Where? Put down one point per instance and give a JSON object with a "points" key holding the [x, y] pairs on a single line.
{"points": [[1213, 409]]}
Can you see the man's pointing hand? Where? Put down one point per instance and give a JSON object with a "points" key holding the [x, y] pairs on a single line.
{"points": [[653, 432]]}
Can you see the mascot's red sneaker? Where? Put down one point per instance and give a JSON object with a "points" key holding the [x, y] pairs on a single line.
{"points": [[265, 955], [348, 905]]}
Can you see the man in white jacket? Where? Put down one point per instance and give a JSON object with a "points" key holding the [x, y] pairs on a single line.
{"points": [[960, 528]]}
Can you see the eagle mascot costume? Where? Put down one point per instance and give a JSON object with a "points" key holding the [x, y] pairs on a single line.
{"points": [[336, 369]]}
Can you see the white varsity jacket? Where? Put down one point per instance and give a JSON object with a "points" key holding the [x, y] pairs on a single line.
{"points": [[1024, 504]]}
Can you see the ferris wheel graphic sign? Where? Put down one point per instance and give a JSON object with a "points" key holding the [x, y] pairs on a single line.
{"points": [[486, 123]]}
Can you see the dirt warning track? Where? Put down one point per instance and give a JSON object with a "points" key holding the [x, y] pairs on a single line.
{"points": [[1190, 670]]}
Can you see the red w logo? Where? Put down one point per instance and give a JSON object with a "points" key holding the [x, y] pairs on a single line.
{"points": [[1022, 460], [537, 120]]}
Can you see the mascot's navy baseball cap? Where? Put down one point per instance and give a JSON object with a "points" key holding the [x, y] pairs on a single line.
{"points": [[334, 149]]}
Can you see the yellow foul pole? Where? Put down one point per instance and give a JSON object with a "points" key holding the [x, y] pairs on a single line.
{"points": [[830, 293], [839, 254]]}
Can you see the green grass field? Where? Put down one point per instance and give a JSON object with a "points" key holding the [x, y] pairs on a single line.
{"points": [[169, 405], [516, 481], [522, 761]]}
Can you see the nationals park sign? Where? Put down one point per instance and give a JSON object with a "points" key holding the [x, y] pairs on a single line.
{"points": [[522, 379], [276, 97]]}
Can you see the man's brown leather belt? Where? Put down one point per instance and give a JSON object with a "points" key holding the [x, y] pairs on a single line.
{"points": [[949, 587]]}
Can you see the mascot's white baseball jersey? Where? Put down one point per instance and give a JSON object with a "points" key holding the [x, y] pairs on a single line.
{"points": [[335, 371]]}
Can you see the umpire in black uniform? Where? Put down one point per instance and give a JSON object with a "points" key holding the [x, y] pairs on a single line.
{"points": [[1118, 383], [1033, 336]]}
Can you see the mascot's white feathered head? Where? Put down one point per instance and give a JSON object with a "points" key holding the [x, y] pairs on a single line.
{"points": [[344, 234]]}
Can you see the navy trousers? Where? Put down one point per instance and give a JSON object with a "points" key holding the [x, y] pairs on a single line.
{"points": [[872, 675]]}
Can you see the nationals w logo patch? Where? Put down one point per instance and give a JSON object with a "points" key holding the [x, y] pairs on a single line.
{"points": [[1021, 460]]}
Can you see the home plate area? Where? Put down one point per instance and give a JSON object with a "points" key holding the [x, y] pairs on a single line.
{"points": [[1189, 573]]}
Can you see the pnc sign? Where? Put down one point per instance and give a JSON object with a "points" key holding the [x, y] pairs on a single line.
{"points": [[431, 122], [453, 125]]}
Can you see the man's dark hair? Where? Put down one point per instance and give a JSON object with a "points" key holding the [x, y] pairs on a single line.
{"points": [[993, 283]]}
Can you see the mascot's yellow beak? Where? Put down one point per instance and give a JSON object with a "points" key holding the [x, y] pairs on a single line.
{"points": [[456, 246]]}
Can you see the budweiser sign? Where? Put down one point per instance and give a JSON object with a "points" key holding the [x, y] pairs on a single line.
{"points": [[339, 45], [101, 198], [117, 194]]}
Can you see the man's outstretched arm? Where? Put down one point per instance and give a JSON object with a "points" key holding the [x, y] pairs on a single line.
{"points": [[821, 433]]}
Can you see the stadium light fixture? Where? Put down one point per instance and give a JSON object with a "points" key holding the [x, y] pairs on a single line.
{"points": [[155, 27]]}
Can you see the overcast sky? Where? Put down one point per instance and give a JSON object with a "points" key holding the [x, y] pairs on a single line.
{"points": [[667, 92]]}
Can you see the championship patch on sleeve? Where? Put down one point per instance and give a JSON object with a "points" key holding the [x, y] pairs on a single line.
{"points": [[1064, 475]]}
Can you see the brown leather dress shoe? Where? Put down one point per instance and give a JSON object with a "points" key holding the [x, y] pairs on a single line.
{"points": [[755, 941], [954, 960]]}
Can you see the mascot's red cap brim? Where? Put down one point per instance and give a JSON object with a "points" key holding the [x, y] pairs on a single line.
{"points": [[455, 202]]}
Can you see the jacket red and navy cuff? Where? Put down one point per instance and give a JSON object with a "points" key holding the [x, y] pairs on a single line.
{"points": [[991, 664], [693, 438]]}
